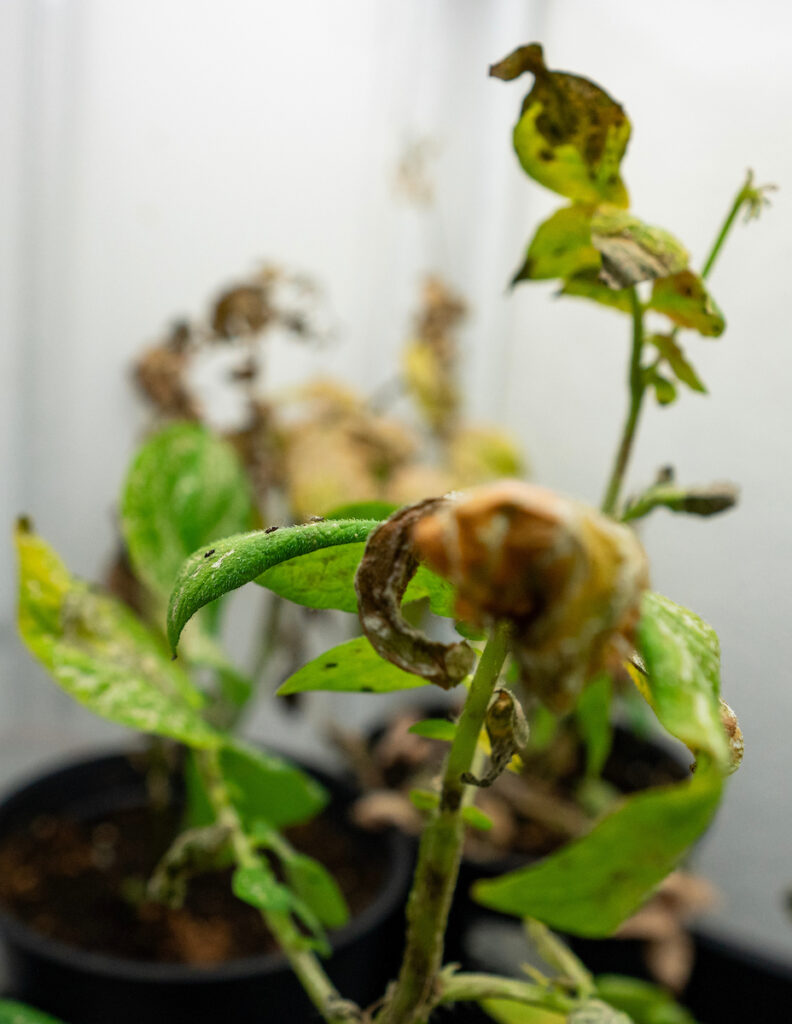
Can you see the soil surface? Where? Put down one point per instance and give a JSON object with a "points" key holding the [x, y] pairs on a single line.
{"points": [[83, 882]]}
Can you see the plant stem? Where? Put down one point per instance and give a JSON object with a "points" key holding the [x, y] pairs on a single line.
{"points": [[742, 197], [475, 987], [440, 852], [311, 974], [637, 388]]}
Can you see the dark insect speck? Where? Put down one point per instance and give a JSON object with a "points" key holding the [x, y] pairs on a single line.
{"points": [[331, 664], [210, 552], [271, 529]]}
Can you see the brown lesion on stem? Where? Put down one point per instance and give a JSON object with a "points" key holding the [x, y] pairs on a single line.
{"points": [[389, 563]]}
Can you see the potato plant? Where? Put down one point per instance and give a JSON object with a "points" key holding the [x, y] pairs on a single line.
{"points": [[547, 595]]}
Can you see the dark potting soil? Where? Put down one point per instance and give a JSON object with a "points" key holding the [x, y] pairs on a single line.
{"points": [[83, 883]]}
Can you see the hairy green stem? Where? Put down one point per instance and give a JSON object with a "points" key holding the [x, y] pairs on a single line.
{"points": [[440, 851], [306, 966], [637, 386], [475, 987]]}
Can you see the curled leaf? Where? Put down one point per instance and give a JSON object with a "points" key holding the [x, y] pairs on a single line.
{"points": [[568, 579], [697, 501], [571, 135], [389, 563], [633, 251]]}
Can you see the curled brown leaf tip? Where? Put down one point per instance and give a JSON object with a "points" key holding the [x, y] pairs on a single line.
{"points": [[525, 58], [388, 565], [566, 577]]}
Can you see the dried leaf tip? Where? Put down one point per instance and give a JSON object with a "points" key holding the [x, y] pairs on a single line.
{"points": [[525, 58]]}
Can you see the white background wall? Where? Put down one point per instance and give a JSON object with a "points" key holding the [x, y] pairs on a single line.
{"points": [[152, 150]]}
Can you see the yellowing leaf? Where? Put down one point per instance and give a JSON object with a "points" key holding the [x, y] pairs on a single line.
{"points": [[101, 654], [571, 136], [561, 246], [683, 298]]}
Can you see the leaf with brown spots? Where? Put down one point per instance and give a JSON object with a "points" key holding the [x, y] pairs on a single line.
{"points": [[571, 135]]}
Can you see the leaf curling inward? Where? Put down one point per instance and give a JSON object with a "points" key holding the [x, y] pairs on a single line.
{"points": [[671, 352], [388, 564], [571, 135], [230, 563]]}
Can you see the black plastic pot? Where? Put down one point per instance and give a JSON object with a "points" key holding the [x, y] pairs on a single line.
{"points": [[88, 988]]}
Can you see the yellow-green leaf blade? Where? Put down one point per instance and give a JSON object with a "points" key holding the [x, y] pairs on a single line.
{"points": [[101, 654], [571, 135], [682, 657], [351, 667], [561, 246], [590, 886], [683, 298]]}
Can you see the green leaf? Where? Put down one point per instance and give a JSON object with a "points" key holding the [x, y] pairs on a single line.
{"points": [[435, 729], [185, 487], [506, 1011], [269, 788], [424, 799], [234, 561], [476, 818], [12, 1012], [594, 1011], [543, 727], [682, 657], [571, 136], [317, 888], [633, 251], [708, 500], [593, 721], [258, 886], [595, 883], [326, 579], [351, 667], [664, 389], [672, 353], [101, 654], [683, 298], [363, 510], [645, 1003], [561, 246], [587, 285]]}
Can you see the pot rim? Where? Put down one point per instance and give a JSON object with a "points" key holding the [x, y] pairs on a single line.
{"points": [[398, 858]]}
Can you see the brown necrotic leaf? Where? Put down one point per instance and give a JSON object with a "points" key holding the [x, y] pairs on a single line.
{"points": [[571, 135], [389, 563], [568, 579]]}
